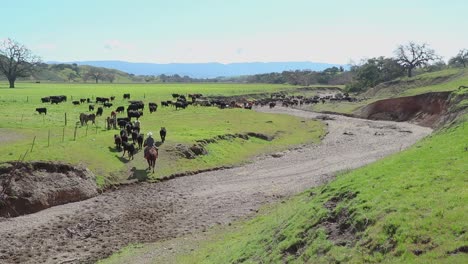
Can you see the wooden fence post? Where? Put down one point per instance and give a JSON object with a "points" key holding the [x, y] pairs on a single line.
{"points": [[74, 136], [34, 140]]}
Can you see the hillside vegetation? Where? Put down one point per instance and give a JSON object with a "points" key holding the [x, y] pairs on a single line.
{"points": [[408, 208], [445, 80]]}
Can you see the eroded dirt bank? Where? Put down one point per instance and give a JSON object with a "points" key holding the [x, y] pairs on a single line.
{"points": [[426, 109], [85, 231]]}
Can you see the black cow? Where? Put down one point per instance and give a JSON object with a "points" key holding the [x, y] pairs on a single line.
{"points": [[134, 136], [122, 121], [76, 102], [164, 103], [83, 100], [112, 98], [162, 134], [140, 139], [153, 107], [102, 99], [107, 104], [126, 96], [174, 95], [180, 104], [90, 107], [42, 110], [54, 101], [134, 113], [120, 109], [118, 141], [272, 104], [99, 111], [45, 99], [129, 148]]}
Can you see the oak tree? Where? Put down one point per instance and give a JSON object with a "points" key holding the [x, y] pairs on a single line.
{"points": [[414, 55], [16, 61]]}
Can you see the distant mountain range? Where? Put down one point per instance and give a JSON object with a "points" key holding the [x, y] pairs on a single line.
{"points": [[207, 70]]}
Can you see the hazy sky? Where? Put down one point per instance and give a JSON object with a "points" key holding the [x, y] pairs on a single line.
{"points": [[226, 31]]}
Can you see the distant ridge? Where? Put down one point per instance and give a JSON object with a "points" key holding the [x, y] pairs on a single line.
{"points": [[207, 70]]}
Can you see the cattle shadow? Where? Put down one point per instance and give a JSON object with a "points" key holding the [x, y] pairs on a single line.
{"points": [[123, 159], [138, 174], [113, 149]]}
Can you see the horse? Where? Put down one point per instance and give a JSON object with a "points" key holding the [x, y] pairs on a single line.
{"points": [[151, 157]]}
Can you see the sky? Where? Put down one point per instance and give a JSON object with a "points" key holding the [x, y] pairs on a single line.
{"points": [[194, 31]]}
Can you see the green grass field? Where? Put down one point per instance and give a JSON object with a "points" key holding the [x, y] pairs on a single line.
{"points": [[93, 147], [408, 208]]}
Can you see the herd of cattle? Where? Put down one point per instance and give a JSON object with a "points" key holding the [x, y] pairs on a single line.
{"points": [[130, 131], [180, 101]]}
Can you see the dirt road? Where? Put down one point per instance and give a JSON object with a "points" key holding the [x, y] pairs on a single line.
{"points": [[85, 231]]}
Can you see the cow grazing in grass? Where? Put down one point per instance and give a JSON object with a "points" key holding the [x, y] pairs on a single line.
{"points": [[126, 96], [84, 118], [107, 104], [120, 109], [180, 104], [83, 100], [41, 110], [134, 113], [128, 148], [111, 122], [91, 108], [102, 99], [162, 134], [112, 98], [153, 107], [122, 121], [45, 99], [118, 142], [99, 111], [164, 103], [76, 102]]}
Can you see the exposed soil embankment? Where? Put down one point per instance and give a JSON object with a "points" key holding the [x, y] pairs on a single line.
{"points": [[424, 109], [30, 187]]}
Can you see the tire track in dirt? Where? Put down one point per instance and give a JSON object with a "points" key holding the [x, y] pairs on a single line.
{"points": [[86, 231]]}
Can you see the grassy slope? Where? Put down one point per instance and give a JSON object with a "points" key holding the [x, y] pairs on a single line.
{"points": [[446, 80], [96, 151], [412, 202]]}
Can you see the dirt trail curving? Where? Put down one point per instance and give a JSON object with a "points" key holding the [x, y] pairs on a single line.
{"points": [[85, 231]]}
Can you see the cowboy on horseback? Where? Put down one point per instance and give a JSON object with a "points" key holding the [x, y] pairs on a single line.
{"points": [[149, 144], [151, 152]]}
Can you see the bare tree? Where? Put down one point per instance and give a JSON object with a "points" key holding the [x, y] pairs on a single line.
{"points": [[461, 58], [16, 61], [95, 73], [110, 77], [414, 55]]}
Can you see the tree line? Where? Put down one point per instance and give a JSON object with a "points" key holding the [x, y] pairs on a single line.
{"points": [[17, 61]]}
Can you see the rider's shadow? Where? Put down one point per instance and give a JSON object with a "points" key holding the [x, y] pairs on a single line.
{"points": [[140, 175]]}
